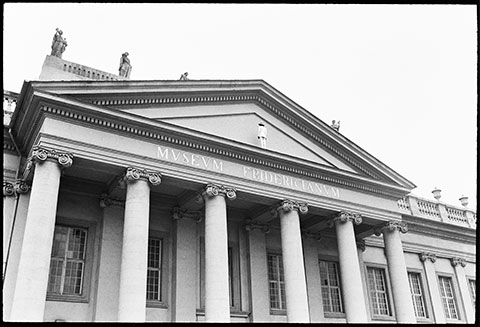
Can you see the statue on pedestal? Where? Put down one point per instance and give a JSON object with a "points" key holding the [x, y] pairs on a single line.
{"points": [[184, 77], [58, 44], [125, 67]]}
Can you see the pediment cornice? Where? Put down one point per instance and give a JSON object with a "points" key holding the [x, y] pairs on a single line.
{"points": [[100, 104]]}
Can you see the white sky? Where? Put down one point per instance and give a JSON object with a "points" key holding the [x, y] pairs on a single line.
{"points": [[402, 79]]}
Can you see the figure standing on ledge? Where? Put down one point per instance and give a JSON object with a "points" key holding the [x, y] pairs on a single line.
{"points": [[58, 44], [184, 77], [125, 67], [262, 135], [335, 126]]}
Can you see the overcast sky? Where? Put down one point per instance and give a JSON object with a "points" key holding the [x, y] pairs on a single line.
{"points": [[402, 79]]}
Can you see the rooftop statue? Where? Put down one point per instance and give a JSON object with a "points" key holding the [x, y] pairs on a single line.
{"points": [[335, 126], [184, 77], [125, 67], [58, 44]]}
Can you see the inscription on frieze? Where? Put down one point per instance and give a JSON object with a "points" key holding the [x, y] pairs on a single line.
{"points": [[246, 172]]}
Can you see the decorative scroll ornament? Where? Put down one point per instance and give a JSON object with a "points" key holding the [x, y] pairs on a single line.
{"points": [[134, 174], [18, 187], [424, 256], [106, 201], [344, 216], [392, 226], [39, 153], [212, 190], [456, 261], [314, 236], [179, 213], [8, 189], [290, 205], [251, 225], [361, 245]]}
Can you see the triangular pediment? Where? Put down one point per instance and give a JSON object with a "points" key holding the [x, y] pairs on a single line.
{"points": [[231, 110]]}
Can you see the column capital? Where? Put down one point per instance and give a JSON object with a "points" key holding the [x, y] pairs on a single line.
{"points": [[361, 245], [317, 236], [424, 256], [179, 213], [456, 261], [344, 216], [41, 154], [211, 190], [106, 201], [392, 226], [288, 205], [133, 174], [15, 188], [251, 225]]}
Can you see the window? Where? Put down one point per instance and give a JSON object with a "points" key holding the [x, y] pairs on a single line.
{"points": [[154, 270], [329, 278], [67, 264], [377, 288], [448, 297], [416, 289], [471, 286], [276, 282]]}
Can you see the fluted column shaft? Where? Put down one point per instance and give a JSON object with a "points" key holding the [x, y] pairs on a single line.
{"points": [[217, 297], [34, 264], [293, 264], [350, 276], [133, 270], [397, 269]]}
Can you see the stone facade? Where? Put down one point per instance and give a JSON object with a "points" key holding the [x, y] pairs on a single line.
{"points": [[162, 219]]}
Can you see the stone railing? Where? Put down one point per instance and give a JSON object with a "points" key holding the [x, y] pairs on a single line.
{"points": [[435, 210], [88, 72], [9, 105]]}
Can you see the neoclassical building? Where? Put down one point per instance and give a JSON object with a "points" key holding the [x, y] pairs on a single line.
{"points": [[165, 200]]}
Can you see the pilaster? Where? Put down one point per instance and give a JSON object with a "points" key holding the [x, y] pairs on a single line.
{"points": [[459, 264], [429, 260]]}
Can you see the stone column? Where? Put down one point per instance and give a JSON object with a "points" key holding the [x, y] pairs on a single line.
{"points": [[258, 267], [428, 260], [185, 258], [34, 265], [110, 259], [397, 269], [312, 273], [293, 265], [217, 304], [350, 275], [133, 273], [459, 265]]}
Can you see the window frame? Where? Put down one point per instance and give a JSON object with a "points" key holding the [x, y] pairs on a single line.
{"points": [[164, 264], [90, 228], [472, 296], [455, 296], [335, 261], [425, 295], [276, 311], [388, 287]]}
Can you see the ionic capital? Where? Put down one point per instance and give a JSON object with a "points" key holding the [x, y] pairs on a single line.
{"points": [[288, 205], [251, 225], [361, 245], [317, 236], [179, 213], [424, 256], [391, 226], [456, 261], [212, 190], [344, 216], [134, 174], [41, 154], [106, 201], [15, 188]]}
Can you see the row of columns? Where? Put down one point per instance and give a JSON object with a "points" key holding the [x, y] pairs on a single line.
{"points": [[33, 270]]}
